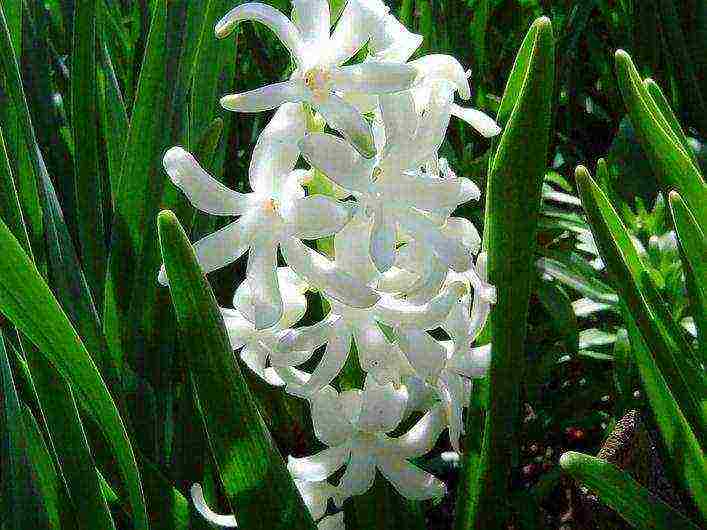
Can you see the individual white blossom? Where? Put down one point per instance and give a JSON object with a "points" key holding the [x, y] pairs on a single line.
{"points": [[319, 77], [275, 214], [377, 356], [353, 424]]}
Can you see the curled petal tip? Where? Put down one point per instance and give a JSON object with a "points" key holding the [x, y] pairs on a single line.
{"points": [[230, 102], [197, 495]]}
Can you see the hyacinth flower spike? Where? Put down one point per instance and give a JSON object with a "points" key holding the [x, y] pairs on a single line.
{"points": [[353, 425], [319, 79], [277, 213]]}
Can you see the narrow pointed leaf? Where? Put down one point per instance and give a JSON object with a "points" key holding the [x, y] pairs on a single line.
{"points": [[512, 210], [85, 126], [249, 465], [25, 299], [616, 488], [686, 457], [693, 249], [672, 164], [672, 352]]}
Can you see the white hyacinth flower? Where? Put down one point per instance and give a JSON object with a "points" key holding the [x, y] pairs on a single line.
{"points": [[353, 424], [276, 214], [377, 356], [450, 366], [258, 346], [319, 78], [394, 194]]}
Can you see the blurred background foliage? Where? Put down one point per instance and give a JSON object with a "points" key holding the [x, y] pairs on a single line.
{"points": [[159, 74]]}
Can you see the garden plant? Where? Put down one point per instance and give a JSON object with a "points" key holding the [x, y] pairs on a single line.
{"points": [[353, 264]]}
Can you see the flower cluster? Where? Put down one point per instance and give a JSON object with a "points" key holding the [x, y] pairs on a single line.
{"points": [[401, 265]]}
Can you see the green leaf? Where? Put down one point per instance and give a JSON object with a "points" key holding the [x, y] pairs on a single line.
{"points": [[113, 118], [686, 458], [25, 299], [249, 465], [21, 496], [138, 194], [85, 126], [558, 307], [671, 162], [693, 249], [512, 209], [638, 506], [672, 352], [9, 201], [69, 441]]}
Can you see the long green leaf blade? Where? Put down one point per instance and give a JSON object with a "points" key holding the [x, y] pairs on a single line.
{"points": [[85, 126], [670, 349], [672, 164], [512, 210], [686, 456], [25, 299], [616, 488], [693, 249], [251, 469]]}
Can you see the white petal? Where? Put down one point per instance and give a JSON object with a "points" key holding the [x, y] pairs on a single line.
{"points": [[433, 127], [266, 98], [315, 496], [484, 296], [422, 437], [382, 406], [451, 387], [483, 123], [360, 473], [331, 424], [474, 364], [392, 42], [239, 329], [203, 191], [197, 495], [438, 67], [313, 21], [399, 117], [383, 235], [324, 275], [372, 347], [410, 481], [352, 249], [426, 355], [396, 312], [349, 36], [346, 119], [373, 77], [266, 308], [333, 360], [333, 522], [428, 193], [464, 230], [309, 337], [225, 245], [277, 150], [319, 216], [282, 26], [318, 467], [255, 357], [337, 160], [451, 251]]}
